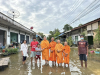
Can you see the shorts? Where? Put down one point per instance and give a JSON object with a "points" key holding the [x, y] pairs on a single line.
{"points": [[24, 58], [33, 54], [83, 57], [38, 56]]}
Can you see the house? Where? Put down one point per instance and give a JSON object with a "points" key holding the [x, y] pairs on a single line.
{"points": [[64, 35], [12, 31], [38, 37], [88, 29]]}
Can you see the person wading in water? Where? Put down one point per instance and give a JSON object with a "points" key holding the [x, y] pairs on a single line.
{"points": [[83, 50]]}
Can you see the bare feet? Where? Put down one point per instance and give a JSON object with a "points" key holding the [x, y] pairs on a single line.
{"points": [[64, 65], [23, 62], [68, 65]]}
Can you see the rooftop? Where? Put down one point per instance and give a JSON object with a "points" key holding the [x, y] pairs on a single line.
{"points": [[9, 22], [89, 23]]}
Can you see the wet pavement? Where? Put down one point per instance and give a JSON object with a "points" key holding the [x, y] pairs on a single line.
{"points": [[17, 68]]}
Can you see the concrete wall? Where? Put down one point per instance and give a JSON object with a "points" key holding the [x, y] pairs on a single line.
{"points": [[4, 29], [95, 26], [7, 34], [89, 27], [73, 38], [31, 38]]}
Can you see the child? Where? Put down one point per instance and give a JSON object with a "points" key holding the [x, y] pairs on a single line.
{"points": [[38, 53], [24, 50]]}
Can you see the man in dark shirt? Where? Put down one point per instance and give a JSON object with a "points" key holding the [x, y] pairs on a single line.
{"points": [[83, 50]]}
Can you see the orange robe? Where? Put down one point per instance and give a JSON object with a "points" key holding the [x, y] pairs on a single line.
{"points": [[59, 47], [45, 52], [66, 49], [52, 47]]}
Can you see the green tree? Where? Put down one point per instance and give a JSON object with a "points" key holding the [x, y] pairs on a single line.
{"points": [[69, 41], [54, 34], [83, 33], [56, 30], [51, 33], [67, 27], [97, 38], [41, 34], [80, 25], [57, 34]]}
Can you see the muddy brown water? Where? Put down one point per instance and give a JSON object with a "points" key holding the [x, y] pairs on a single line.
{"points": [[17, 68]]}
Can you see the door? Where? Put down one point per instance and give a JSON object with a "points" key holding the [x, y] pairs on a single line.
{"points": [[76, 39], [2, 35], [27, 39], [22, 38], [90, 40], [13, 37]]}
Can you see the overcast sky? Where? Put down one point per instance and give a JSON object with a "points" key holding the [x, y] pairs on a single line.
{"points": [[46, 15]]}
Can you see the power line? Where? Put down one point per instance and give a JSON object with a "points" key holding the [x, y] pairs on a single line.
{"points": [[57, 10], [86, 13], [77, 4], [72, 11], [87, 8], [89, 12]]}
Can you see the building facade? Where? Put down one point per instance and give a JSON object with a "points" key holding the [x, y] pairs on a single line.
{"points": [[12, 31], [88, 29]]}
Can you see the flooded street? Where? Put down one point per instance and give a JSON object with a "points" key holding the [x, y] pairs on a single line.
{"points": [[16, 68]]}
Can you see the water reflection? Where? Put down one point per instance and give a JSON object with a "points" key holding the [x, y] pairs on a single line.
{"points": [[16, 67]]}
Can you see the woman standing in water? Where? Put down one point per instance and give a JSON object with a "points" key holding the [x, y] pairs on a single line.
{"points": [[24, 50]]}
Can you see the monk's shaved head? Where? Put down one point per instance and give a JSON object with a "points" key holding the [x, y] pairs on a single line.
{"points": [[58, 41], [52, 39], [65, 43], [45, 38]]}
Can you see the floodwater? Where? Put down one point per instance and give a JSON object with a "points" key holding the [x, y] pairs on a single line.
{"points": [[17, 68]]}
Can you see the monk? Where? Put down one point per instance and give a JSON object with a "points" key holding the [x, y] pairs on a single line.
{"points": [[52, 51], [45, 52], [58, 50], [66, 53]]}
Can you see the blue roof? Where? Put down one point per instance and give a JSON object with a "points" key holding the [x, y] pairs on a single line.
{"points": [[56, 37], [38, 36], [61, 34]]}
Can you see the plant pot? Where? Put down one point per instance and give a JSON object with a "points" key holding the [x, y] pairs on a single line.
{"points": [[5, 54], [3, 51], [91, 51], [97, 52]]}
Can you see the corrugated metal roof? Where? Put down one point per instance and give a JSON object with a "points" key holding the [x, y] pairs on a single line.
{"points": [[61, 34], [91, 22], [39, 36], [14, 23]]}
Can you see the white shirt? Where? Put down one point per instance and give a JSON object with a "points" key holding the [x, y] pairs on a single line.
{"points": [[24, 48]]}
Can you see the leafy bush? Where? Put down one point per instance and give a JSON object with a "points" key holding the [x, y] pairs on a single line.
{"points": [[69, 41], [5, 53], [92, 49], [97, 38], [10, 51], [15, 50]]}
